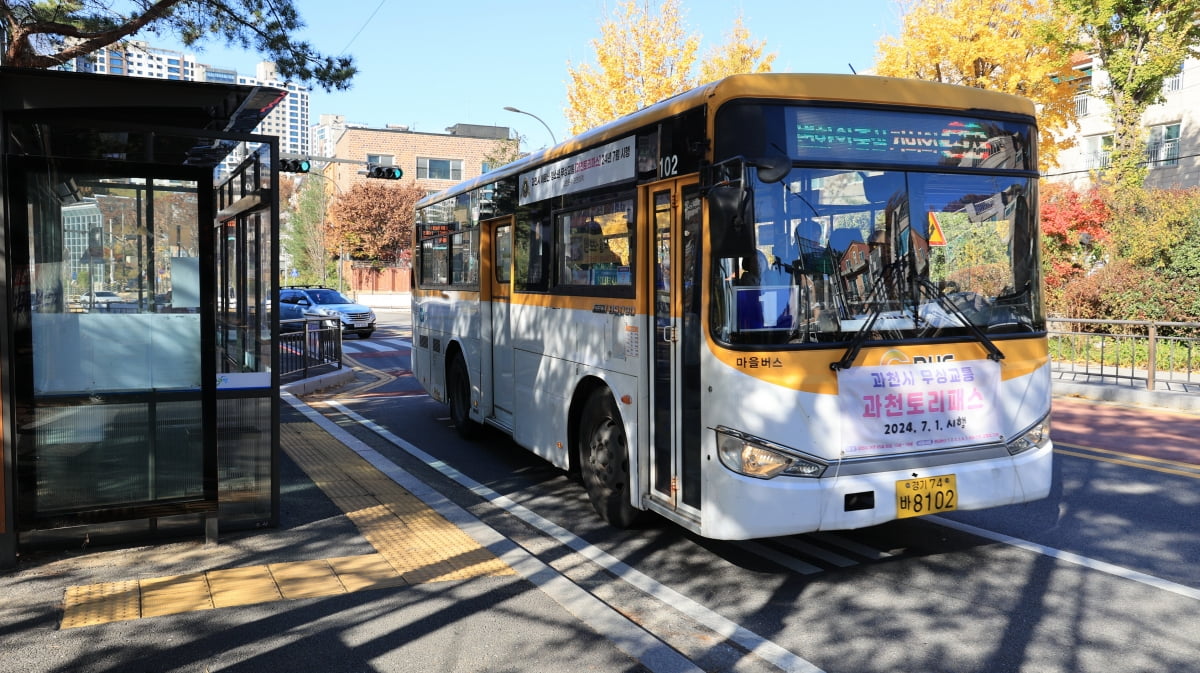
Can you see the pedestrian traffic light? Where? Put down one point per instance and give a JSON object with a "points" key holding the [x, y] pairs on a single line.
{"points": [[384, 172], [295, 165]]}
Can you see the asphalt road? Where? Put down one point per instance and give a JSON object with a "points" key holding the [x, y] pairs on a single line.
{"points": [[1100, 577]]}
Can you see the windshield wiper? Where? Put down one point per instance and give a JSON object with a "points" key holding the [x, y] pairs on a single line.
{"points": [[950, 307], [875, 310]]}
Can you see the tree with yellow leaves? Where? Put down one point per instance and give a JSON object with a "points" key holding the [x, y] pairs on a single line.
{"points": [[642, 58], [1015, 46], [737, 55]]}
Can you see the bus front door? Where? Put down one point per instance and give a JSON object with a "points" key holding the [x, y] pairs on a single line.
{"points": [[498, 280], [675, 216]]}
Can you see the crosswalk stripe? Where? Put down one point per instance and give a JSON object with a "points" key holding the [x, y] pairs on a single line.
{"points": [[816, 552], [378, 346]]}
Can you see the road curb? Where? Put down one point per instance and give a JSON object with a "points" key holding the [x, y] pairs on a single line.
{"points": [[315, 383], [1161, 399]]}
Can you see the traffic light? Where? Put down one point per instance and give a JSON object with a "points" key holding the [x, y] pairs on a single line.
{"points": [[384, 172], [295, 165]]}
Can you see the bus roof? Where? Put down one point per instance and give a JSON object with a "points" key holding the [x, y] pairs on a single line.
{"points": [[849, 89]]}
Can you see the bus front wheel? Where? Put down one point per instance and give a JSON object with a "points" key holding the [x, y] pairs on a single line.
{"points": [[604, 454], [458, 392]]}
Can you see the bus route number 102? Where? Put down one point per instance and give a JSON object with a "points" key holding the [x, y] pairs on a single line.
{"points": [[668, 166]]}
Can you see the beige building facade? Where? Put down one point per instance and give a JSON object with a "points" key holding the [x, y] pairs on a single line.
{"points": [[435, 160], [1172, 130]]}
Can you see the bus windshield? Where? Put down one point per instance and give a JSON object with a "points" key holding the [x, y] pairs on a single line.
{"points": [[897, 253]]}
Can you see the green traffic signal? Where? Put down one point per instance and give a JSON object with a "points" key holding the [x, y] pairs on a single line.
{"points": [[384, 172], [295, 165]]}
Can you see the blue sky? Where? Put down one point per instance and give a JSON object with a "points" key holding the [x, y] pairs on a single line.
{"points": [[431, 64]]}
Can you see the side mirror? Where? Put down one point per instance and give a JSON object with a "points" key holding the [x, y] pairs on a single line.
{"points": [[772, 169], [731, 219], [302, 302]]}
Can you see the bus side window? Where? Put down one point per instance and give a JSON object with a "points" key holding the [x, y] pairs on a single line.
{"points": [[532, 256], [503, 260]]}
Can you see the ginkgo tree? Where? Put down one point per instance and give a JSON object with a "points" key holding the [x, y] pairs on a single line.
{"points": [[1014, 46], [643, 57]]}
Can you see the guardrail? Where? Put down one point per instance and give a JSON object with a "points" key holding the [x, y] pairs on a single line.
{"points": [[307, 347], [1156, 355]]}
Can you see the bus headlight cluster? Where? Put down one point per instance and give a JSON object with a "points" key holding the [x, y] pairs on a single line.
{"points": [[761, 459], [1032, 438]]}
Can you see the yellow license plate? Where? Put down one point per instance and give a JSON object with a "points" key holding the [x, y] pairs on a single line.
{"points": [[927, 495]]}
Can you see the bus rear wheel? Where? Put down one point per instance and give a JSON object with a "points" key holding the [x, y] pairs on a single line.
{"points": [[458, 392], [604, 454]]}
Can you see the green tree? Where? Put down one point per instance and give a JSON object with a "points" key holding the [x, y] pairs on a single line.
{"points": [[504, 152], [643, 57], [48, 33], [1014, 46], [1139, 43], [303, 235]]}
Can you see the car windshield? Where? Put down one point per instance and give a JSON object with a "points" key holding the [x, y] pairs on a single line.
{"points": [[327, 297], [897, 254]]}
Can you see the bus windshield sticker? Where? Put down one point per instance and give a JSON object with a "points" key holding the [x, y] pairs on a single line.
{"points": [[599, 166], [919, 407]]}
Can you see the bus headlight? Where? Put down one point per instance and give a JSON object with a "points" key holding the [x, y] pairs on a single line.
{"points": [[1032, 438], [760, 459]]}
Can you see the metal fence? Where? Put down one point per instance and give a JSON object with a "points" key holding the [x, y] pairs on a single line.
{"points": [[1138, 353], [308, 347]]}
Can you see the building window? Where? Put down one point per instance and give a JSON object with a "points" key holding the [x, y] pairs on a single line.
{"points": [[1081, 105], [439, 169], [1162, 149], [381, 160], [1174, 82], [1098, 150]]}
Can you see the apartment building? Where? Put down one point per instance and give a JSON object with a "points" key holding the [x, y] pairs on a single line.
{"points": [[289, 121], [1172, 128]]}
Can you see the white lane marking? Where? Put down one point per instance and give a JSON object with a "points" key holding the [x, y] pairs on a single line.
{"points": [[628, 636], [758, 645], [852, 546], [378, 345], [1070, 557], [775, 556], [816, 552]]}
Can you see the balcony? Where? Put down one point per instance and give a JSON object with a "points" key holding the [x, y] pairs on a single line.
{"points": [[1097, 160], [1162, 154]]}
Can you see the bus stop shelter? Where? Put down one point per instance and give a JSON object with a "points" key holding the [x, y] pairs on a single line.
{"points": [[138, 367]]}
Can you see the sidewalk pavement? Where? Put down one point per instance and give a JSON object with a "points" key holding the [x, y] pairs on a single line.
{"points": [[370, 570]]}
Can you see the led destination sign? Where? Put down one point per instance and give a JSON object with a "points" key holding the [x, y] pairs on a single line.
{"points": [[901, 137]]}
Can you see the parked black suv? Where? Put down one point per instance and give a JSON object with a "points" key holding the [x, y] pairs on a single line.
{"points": [[314, 301]]}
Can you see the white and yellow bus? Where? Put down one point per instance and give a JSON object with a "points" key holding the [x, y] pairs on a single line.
{"points": [[774, 304]]}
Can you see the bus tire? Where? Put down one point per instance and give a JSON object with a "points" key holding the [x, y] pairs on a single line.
{"points": [[604, 458], [458, 396]]}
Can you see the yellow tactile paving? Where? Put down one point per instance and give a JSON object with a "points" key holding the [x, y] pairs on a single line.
{"points": [[242, 586], [413, 543], [371, 571], [306, 579], [176, 594], [101, 603], [341, 488]]}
